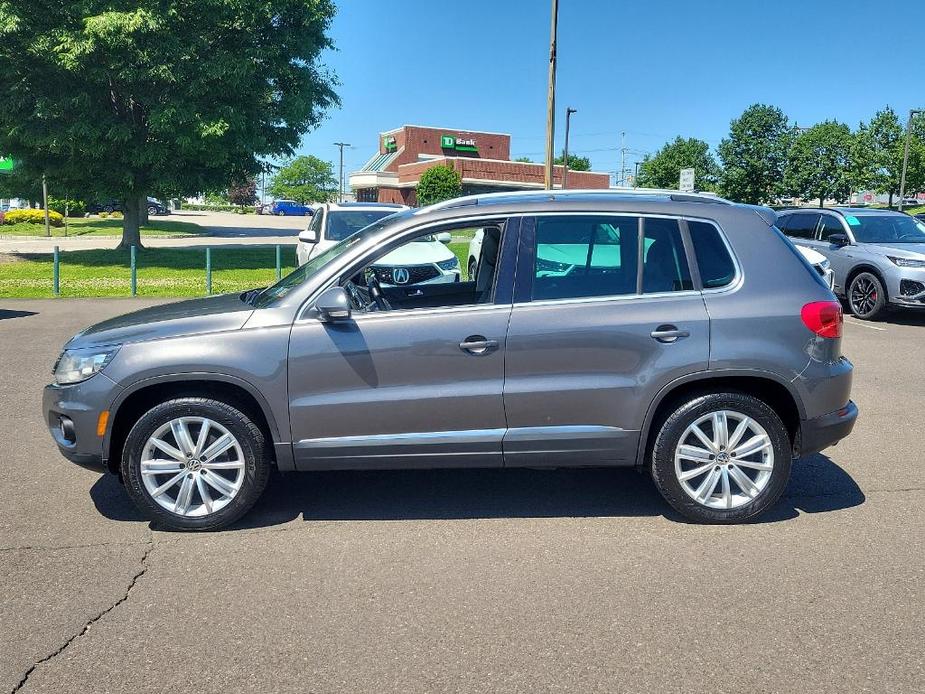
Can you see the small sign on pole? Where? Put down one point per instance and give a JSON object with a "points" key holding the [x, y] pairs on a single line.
{"points": [[687, 181]]}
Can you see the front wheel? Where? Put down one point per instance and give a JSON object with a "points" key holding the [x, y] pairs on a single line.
{"points": [[722, 458], [195, 463], [152, 211], [866, 296]]}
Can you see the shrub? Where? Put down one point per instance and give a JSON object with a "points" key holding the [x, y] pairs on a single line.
{"points": [[75, 208], [2, 215], [30, 216]]}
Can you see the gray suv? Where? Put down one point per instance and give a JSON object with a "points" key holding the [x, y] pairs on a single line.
{"points": [[676, 333], [877, 256]]}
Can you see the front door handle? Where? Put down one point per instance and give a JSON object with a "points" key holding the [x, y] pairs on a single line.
{"points": [[478, 345], [668, 334]]}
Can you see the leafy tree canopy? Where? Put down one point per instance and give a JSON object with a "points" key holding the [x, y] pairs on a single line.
{"points": [[437, 184], [819, 163], [878, 155], [754, 155], [124, 98], [243, 193], [305, 179], [575, 163], [663, 169]]}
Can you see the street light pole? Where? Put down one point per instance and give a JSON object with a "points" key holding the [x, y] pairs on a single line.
{"points": [[340, 194], [636, 176], [902, 180], [568, 120], [551, 96], [45, 204]]}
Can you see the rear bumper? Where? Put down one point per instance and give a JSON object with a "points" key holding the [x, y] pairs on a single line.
{"points": [[821, 432]]}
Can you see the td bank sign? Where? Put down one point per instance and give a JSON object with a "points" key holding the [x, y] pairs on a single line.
{"points": [[460, 144]]}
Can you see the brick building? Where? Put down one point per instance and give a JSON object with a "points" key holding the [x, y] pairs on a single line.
{"points": [[483, 161]]}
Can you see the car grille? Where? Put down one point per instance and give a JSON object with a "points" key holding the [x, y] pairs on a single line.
{"points": [[416, 273]]}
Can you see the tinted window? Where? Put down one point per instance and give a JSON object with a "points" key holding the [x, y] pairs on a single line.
{"points": [[830, 225], [585, 256], [713, 259], [343, 224], [801, 226], [665, 266]]}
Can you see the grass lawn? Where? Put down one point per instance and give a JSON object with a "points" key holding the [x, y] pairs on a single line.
{"points": [[94, 226], [166, 272]]}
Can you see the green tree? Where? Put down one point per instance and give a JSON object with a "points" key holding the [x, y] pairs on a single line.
{"points": [[575, 163], [524, 160], [754, 155], [305, 179], [437, 184], [879, 154], [173, 96], [663, 169], [819, 163]]}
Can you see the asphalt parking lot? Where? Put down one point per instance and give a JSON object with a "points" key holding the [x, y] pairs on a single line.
{"points": [[467, 581]]}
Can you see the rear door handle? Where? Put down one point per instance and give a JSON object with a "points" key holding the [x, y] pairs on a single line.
{"points": [[478, 344], [668, 334]]}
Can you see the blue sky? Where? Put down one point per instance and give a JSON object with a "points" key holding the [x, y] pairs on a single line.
{"points": [[654, 69]]}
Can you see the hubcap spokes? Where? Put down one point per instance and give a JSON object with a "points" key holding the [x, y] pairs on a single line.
{"points": [[724, 459], [863, 296], [192, 466]]}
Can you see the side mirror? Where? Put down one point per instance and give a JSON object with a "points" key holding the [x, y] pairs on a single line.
{"points": [[308, 236], [444, 237], [333, 306], [839, 239]]}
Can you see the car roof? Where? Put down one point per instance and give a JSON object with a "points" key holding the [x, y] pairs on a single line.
{"points": [[853, 211]]}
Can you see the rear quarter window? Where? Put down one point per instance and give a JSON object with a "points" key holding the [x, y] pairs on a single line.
{"points": [[716, 266]]}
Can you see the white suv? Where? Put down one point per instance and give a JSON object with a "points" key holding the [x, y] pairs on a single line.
{"points": [[426, 260]]}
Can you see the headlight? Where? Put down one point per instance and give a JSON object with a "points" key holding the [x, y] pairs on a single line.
{"points": [[451, 264], [825, 264], [907, 262], [78, 365]]}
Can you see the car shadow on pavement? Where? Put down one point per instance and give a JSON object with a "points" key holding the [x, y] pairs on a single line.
{"points": [[817, 485], [6, 314]]}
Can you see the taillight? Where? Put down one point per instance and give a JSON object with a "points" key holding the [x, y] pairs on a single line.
{"points": [[824, 318]]}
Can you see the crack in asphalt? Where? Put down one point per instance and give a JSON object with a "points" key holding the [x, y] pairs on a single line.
{"points": [[86, 627], [58, 548]]}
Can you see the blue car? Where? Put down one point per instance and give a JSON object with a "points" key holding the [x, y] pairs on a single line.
{"points": [[282, 208]]}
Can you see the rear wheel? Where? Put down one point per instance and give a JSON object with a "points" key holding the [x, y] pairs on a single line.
{"points": [[195, 463], [722, 458], [866, 296]]}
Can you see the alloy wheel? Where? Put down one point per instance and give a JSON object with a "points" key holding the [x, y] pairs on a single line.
{"points": [[192, 466], [864, 296], [724, 459]]}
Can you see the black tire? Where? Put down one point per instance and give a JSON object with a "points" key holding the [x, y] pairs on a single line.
{"points": [[249, 436], [152, 211], [669, 435], [109, 209], [473, 268], [866, 296]]}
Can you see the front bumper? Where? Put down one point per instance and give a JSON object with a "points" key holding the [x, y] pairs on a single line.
{"points": [[821, 432], [906, 287], [72, 413]]}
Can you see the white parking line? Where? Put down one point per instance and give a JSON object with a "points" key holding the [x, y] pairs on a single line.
{"points": [[852, 321]]}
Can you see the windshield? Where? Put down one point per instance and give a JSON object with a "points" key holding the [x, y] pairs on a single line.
{"points": [[305, 272], [342, 224], [892, 228]]}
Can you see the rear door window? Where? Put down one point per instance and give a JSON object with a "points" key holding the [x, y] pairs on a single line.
{"points": [[585, 256], [665, 267], [802, 225], [716, 266]]}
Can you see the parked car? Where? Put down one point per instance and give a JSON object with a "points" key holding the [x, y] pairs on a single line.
{"points": [[426, 261], [155, 207], [690, 343], [289, 208], [820, 264], [877, 256]]}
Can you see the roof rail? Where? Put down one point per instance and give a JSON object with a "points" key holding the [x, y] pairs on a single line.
{"points": [[559, 194]]}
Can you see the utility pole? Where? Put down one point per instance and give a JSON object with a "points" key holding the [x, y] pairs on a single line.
{"points": [[551, 96], [568, 119], [340, 195], [902, 181], [622, 159], [636, 176], [45, 205]]}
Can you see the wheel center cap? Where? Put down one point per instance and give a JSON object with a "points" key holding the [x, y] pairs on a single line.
{"points": [[193, 464], [722, 458]]}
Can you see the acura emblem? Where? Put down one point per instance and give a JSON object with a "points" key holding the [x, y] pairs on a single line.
{"points": [[400, 275]]}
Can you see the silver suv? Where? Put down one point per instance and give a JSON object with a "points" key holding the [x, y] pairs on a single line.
{"points": [[878, 256], [677, 333]]}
